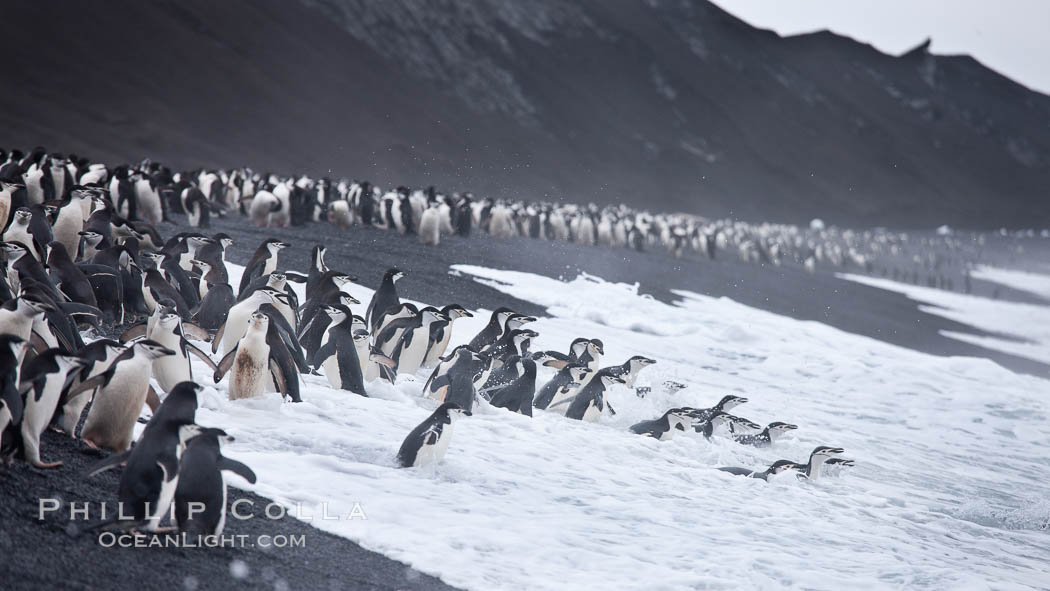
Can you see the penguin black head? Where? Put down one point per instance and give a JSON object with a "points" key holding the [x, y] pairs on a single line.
{"points": [[826, 451], [730, 401], [202, 433], [842, 462], [275, 245], [452, 410], [394, 274], [347, 299], [152, 349], [783, 466], [641, 361], [608, 376], [454, 311], [782, 427], [515, 321], [597, 346], [223, 239]]}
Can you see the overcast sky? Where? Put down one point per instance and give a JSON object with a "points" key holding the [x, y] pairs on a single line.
{"points": [[1009, 36]]}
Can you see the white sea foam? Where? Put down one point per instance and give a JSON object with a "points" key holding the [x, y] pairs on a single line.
{"points": [[948, 492]]}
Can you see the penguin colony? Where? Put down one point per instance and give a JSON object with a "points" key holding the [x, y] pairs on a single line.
{"points": [[81, 253], [149, 192]]}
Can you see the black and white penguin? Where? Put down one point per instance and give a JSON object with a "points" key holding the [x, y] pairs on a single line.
{"points": [[492, 330], [44, 380], [703, 415], [200, 497], [151, 476], [173, 369], [11, 404], [157, 292], [835, 466], [428, 442], [68, 278], [415, 340], [778, 467], [819, 455], [767, 437], [441, 332], [558, 392], [590, 401], [664, 427], [338, 353], [98, 355], [430, 227], [383, 299], [263, 262], [260, 362], [18, 315], [20, 232], [630, 369], [120, 395], [517, 396], [456, 380], [238, 315]]}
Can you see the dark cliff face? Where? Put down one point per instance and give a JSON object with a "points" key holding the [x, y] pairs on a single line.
{"points": [[669, 105]]}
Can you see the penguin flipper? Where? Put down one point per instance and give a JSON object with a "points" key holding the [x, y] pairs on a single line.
{"points": [[199, 353], [100, 380], [13, 400], [152, 400], [278, 377], [439, 382], [218, 338], [112, 461], [322, 354], [191, 329], [295, 276], [136, 331], [225, 364], [170, 465], [237, 468]]}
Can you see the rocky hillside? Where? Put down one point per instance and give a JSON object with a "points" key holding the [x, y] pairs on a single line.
{"points": [[672, 105]]}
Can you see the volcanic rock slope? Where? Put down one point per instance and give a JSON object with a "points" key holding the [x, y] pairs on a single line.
{"points": [[671, 105]]}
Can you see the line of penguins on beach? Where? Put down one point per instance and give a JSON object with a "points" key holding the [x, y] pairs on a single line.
{"points": [[59, 282], [150, 192]]}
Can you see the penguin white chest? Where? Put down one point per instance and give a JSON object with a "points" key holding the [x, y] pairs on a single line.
{"points": [[592, 413], [249, 375], [434, 452]]}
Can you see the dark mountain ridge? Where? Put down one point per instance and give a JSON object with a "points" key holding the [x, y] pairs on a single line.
{"points": [[667, 105]]}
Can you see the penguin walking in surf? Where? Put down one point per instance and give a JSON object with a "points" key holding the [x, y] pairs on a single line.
{"points": [[428, 442]]}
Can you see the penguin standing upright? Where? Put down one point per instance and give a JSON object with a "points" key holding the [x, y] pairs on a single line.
{"points": [[263, 262], [260, 362], [428, 442], [11, 405], [517, 395], [121, 393], [442, 332], [200, 497], [45, 378], [383, 299], [338, 353], [173, 369], [590, 401], [151, 476]]}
